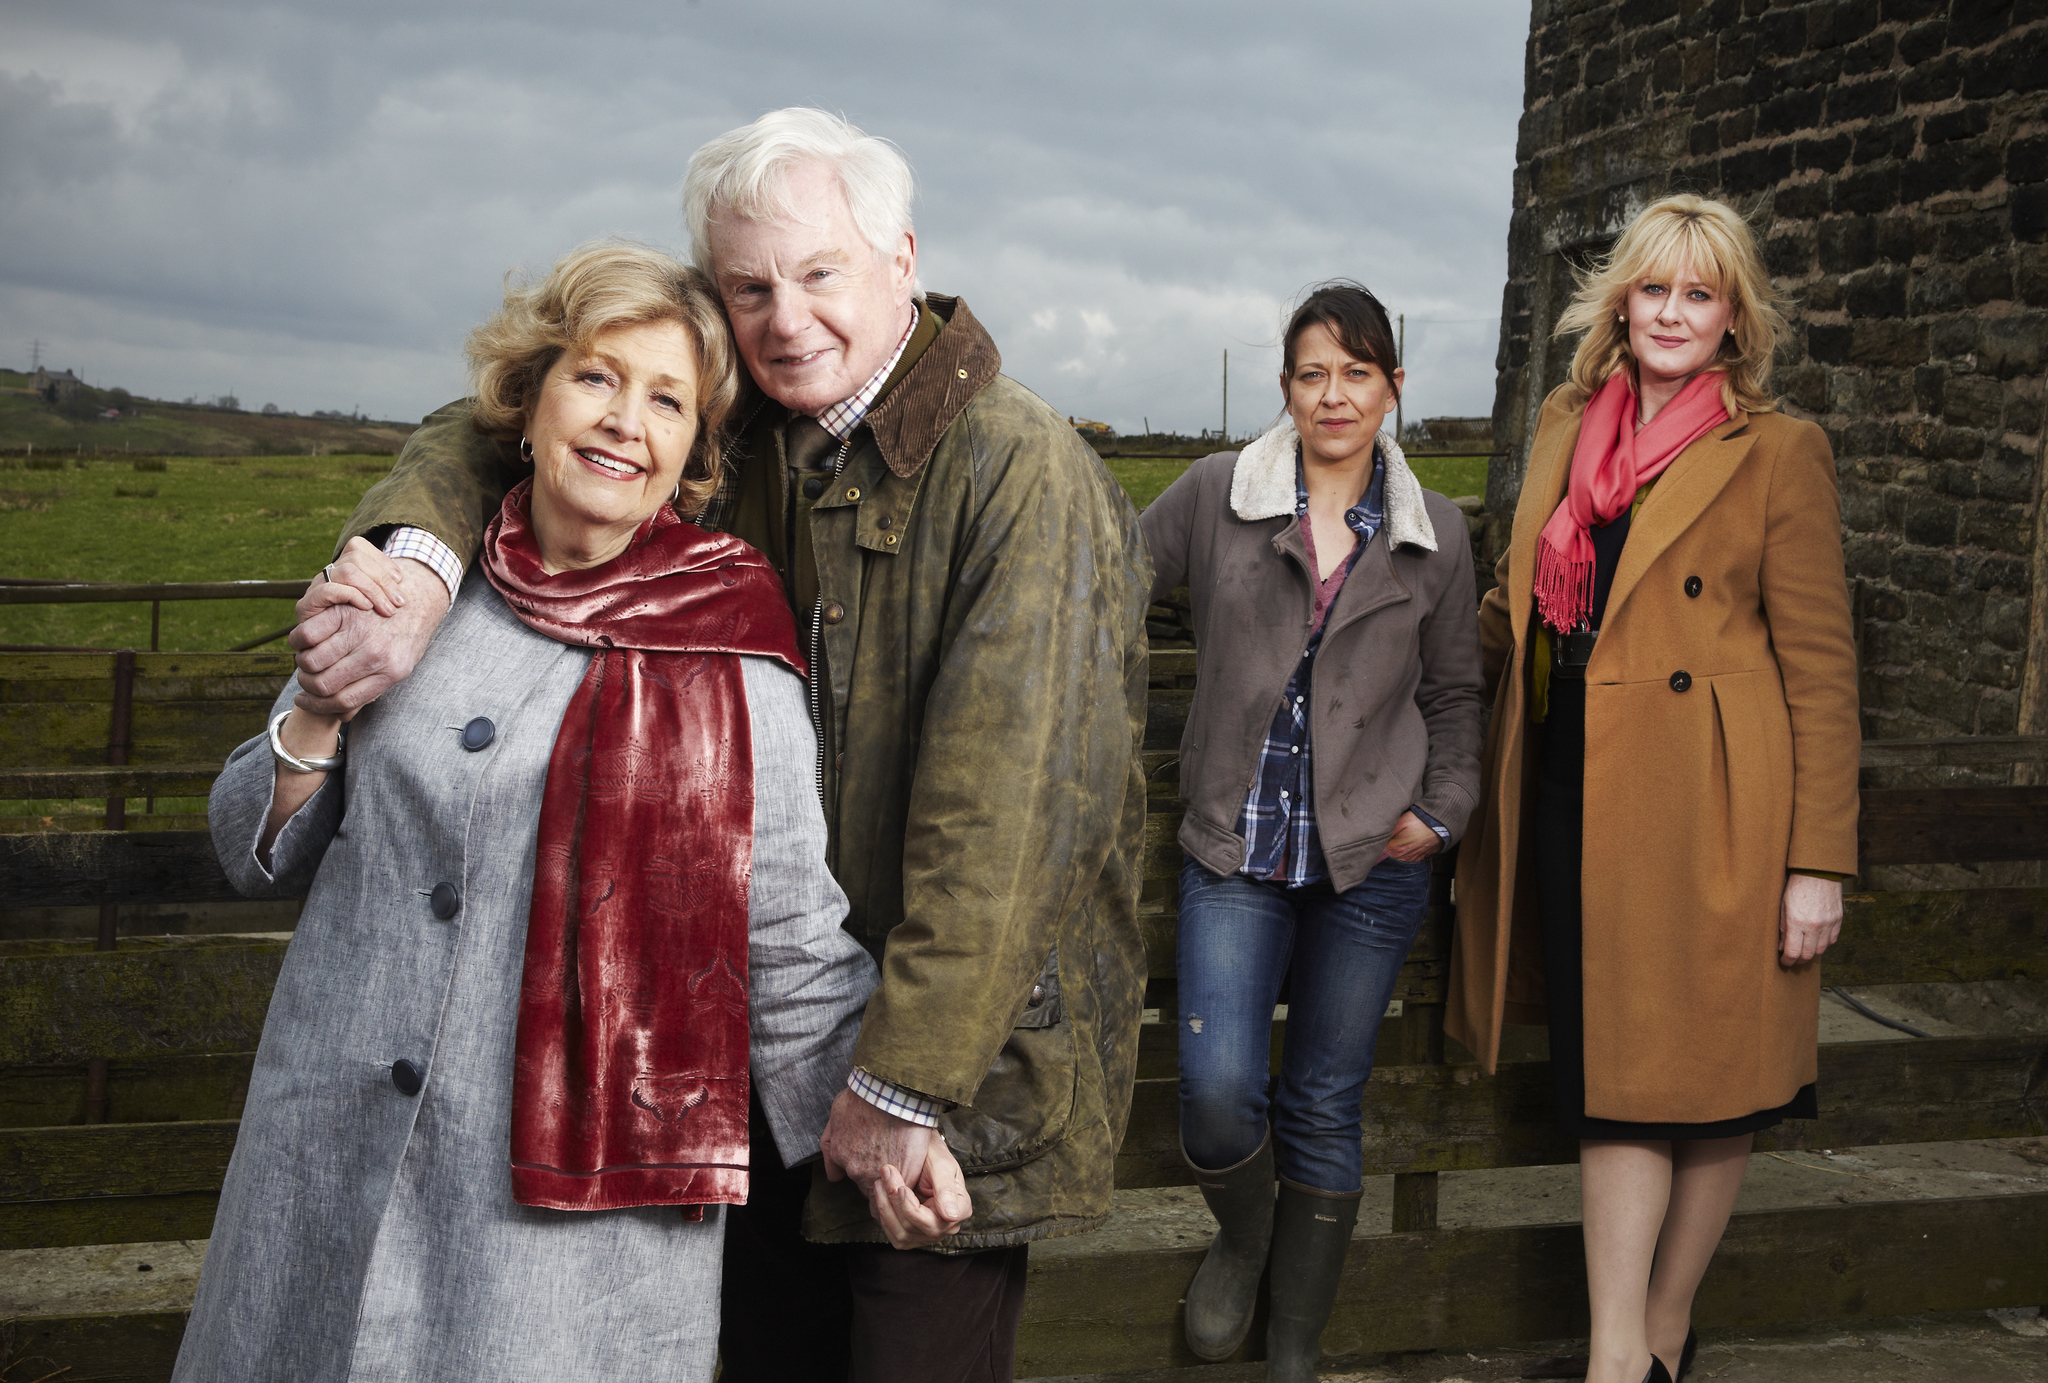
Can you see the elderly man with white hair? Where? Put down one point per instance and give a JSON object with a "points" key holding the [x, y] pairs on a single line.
{"points": [[969, 585]]}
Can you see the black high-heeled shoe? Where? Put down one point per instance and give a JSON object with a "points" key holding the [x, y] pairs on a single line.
{"points": [[1692, 1347], [1658, 1373]]}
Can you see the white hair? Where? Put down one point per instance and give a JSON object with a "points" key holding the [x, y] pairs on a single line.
{"points": [[746, 172]]}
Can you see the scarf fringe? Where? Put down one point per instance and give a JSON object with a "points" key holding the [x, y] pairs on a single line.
{"points": [[1564, 587]]}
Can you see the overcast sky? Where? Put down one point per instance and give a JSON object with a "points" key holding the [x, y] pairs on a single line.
{"points": [[311, 204]]}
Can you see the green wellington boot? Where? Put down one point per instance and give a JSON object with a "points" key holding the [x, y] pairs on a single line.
{"points": [[1311, 1234], [1226, 1286]]}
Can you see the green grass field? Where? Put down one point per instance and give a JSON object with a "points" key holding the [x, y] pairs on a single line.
{"points": [[263, 518], [199, 519]]}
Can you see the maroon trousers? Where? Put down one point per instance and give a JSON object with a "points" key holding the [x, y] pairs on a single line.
{"points": [[798, 1312]]}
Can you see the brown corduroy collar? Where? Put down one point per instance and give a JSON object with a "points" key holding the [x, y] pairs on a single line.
{"points": [[913, 415]]}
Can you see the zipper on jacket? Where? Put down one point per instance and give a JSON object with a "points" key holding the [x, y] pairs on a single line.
{"points": [[818, 642]]}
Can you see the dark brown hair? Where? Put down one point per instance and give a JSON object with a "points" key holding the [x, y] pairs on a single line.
{"points": [[1354, 316]]}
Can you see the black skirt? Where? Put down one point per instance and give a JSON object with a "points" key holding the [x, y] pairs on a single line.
{"points": [[1560, 845]]}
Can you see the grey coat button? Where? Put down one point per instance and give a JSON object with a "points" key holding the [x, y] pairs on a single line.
{"points": [[1681, 681], [445, 901], [407, 1077], [478, 734], [1693, 586]]}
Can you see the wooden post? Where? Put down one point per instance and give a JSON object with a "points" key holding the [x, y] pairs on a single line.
{"points": [[119, 740], [1414, 1201]]}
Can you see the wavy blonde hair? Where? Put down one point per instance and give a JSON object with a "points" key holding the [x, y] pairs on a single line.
{"points": [[1665, 236], [605, 284]]}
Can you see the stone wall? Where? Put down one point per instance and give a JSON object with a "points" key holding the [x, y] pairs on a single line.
{"points": [[1893, 155]]}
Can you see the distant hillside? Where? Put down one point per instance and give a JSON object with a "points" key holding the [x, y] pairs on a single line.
{"points": [[75, 426]]}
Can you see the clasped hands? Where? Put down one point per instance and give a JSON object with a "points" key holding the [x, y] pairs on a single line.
{"points": [[914, 1187]]}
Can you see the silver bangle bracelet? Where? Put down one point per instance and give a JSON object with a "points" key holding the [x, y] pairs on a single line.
{"points": [[293, 761]]}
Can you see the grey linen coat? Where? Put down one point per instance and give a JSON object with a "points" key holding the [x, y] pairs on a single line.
{"points": [[364, 1234]]}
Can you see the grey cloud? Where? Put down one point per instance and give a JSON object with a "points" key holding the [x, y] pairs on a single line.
{"points": [[316, 202]]}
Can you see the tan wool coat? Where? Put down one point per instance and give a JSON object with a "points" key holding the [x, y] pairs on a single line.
{"points": [[1721, 751]]}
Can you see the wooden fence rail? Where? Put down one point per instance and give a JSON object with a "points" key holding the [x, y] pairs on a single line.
{"points": [[124, 1060]]}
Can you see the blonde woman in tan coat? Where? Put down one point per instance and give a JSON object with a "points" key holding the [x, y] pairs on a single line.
{"points": [[1671, 765]]}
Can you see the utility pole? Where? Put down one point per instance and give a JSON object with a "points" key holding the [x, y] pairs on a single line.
{"points": [[1148, 427], [1226, 396], [1400, 363], [35, 353]]}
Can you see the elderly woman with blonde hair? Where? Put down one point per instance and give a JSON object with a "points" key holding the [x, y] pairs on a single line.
{"points": [[1670, 768], [568, 900]]}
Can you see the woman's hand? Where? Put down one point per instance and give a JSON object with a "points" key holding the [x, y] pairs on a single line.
{"points": [[1810, 918], [1412, 840]]}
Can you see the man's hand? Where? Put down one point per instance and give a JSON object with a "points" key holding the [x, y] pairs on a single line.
{"points": [[918, 1216], [860, 1140], [1413, 839], [914, 1187], [362, 629], [1810, 918]]}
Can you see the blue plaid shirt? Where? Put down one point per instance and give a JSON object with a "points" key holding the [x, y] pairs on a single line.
{"points": [[1279, 818]]}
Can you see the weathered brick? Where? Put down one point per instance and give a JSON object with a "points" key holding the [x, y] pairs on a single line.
{"points": [[1972, 23], [1973, 401], [1938, 289], [2009, 346], [2007, 473], [2030, 276], [1969, 234], [1848, 244], [1888, 342], [1789, 112], [1936, 79], [1987, 283], [1738, 127], [1821, 295], [1866, 192], [1878, 293], [1864, 100], [1923, 41], [1721, 98], [1637, 14], [2020, 63], [1735, 55], [1898, 238], [1885, 139], [2022, 412], [1753, 170], [1950, 168], [1603, 64], [2003, 572], [1780, 32], [1805, 385], [1891, 391], [1929, 387], [1949, 338], [2030, 212], [1895, 11], [1806, 200], [1788, 252], [1829, 344], [1873, 54], [2026, 160], [1917, 569], [1828, 155]]}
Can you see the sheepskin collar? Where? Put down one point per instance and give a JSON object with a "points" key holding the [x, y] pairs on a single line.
{"points": [[1262, 485]]}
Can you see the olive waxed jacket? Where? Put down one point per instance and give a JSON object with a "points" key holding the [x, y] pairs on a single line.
{"points": [[982, 684]]}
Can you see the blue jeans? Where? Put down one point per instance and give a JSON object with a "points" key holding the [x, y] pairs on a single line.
{"points": [[1236, 939]]}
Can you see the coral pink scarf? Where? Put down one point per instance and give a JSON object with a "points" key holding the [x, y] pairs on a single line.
{"points": [[629, 1082], [1610, 463]]}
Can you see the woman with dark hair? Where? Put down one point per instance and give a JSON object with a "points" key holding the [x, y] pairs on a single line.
{"points": [[1332, 749], [1672, 757]]}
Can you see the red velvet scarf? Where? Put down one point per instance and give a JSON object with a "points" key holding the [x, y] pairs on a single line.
{"points": [[629, 1084], [1610, 463]]}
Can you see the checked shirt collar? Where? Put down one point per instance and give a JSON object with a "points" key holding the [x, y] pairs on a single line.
{"points": [[843, 417]]}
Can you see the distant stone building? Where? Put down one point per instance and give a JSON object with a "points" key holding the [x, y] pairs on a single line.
{"points": [[1894, 157], [53, 387], [1444, 434]]}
